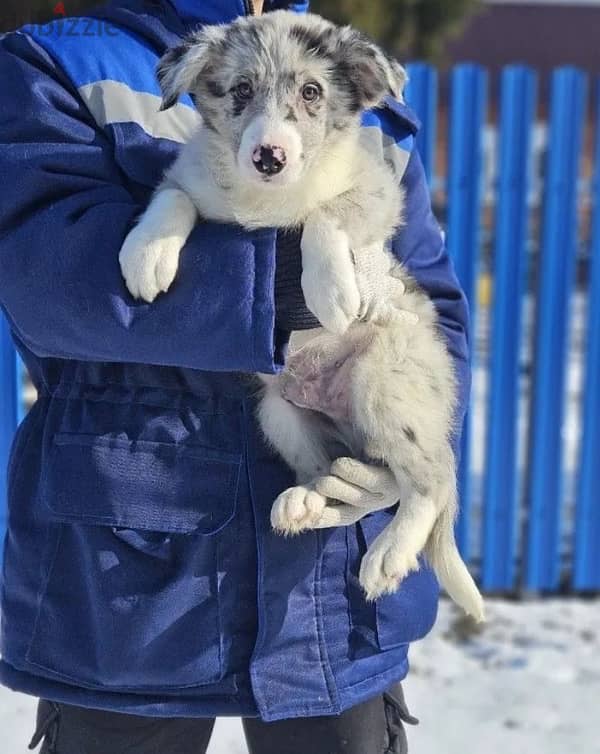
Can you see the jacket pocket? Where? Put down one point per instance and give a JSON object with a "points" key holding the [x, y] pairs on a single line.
{"points": [[131, 597], [395, 619]]}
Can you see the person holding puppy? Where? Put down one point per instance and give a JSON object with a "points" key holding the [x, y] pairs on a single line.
{"points": [[145, 592]]}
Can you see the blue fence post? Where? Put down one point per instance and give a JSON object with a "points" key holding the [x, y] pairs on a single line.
{"points": [[517, 114], [9, 411], [586, 573], [422, 95], [555, 280], [465, 185]]}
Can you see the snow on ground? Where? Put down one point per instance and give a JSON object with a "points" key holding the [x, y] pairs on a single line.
{"points": [[527, 683]]}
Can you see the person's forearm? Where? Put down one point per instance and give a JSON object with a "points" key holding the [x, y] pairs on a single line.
{"points": [[66, 210]]}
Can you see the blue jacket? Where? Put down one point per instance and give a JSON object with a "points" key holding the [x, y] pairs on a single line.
{"points": [[140, 570]]}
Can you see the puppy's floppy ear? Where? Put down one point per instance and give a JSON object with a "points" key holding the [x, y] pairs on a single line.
{"points": [[375, 74], [181, 66]]}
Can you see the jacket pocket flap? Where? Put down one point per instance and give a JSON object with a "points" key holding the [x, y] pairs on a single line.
{"points": [[153, 486]]}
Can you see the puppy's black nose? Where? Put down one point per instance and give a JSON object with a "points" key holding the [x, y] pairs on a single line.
{"points": [[269, 160]]}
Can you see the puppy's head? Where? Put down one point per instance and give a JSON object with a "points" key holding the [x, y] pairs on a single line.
{"points": [[279, 89]]}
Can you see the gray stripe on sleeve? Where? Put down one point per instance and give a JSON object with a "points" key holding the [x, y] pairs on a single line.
{"points": [[113, 102]]}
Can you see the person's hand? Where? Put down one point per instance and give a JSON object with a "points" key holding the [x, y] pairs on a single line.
{"points": [[352, 490], [380, 285], [349, 492]]}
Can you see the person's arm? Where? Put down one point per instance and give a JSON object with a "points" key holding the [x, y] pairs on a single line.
{"points": [[65, 210]]}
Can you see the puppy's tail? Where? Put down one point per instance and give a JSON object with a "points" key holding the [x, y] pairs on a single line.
{"points": [[444, 557]]}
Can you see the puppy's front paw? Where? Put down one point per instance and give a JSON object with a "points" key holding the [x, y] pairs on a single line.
{"points": [[296, 509], [386, 563], [149, 265], [335, 302], [328, 276]]}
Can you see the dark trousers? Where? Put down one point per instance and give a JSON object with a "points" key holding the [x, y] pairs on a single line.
{"points": [[374, 727]]}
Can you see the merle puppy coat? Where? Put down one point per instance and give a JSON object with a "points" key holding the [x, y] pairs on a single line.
{"points": [[280, 145]]}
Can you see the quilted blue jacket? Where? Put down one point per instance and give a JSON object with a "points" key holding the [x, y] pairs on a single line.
{"points": [[140, 571]]}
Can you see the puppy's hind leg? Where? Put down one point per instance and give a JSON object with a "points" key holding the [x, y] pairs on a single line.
{"points": [[417, 460], [424, 523], [297, 434], [394, 554]]}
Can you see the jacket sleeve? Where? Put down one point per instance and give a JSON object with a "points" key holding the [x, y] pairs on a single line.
{"points": [[420, 246], [65, 210]]}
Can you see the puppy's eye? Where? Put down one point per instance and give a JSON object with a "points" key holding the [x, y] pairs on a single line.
{"points": [[311, 92], [243, 90]]}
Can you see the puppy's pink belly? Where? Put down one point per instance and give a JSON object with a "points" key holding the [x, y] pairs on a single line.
{"points": [[319, 376]]}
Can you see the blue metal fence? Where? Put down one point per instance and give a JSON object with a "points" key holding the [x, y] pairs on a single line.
{"points": [[587, 531], [465, 190], [556, 277], [518, 527], [501, 487]]}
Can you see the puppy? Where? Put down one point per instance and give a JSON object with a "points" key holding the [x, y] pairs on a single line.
{"points": [[280, 145]]}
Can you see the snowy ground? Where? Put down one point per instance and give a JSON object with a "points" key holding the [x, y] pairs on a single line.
{"points": [[528, 683]]}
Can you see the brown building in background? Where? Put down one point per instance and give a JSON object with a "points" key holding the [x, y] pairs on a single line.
{"points": [[541, 33]]}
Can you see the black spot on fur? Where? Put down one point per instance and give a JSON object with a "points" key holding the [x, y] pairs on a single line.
{"points": [[239, 105], [342, 78], [359, 72], [170, 59], [250, 37], [370, 79], [175, 54], [365, 42], [313, 41], [215, 89], [410, 435], [167, 103], [291, 115]]}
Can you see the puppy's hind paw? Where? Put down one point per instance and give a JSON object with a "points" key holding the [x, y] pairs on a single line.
{"points": [[297, 509], [385, 565]]}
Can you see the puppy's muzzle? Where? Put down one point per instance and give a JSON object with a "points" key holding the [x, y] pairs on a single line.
{"points": [[269, 160]]}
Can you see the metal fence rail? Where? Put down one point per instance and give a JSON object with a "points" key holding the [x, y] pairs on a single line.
{"points": [[518, 527], [501, 488]]}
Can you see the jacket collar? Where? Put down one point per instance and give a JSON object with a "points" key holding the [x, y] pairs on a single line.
{"points": [[222, 11]]}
